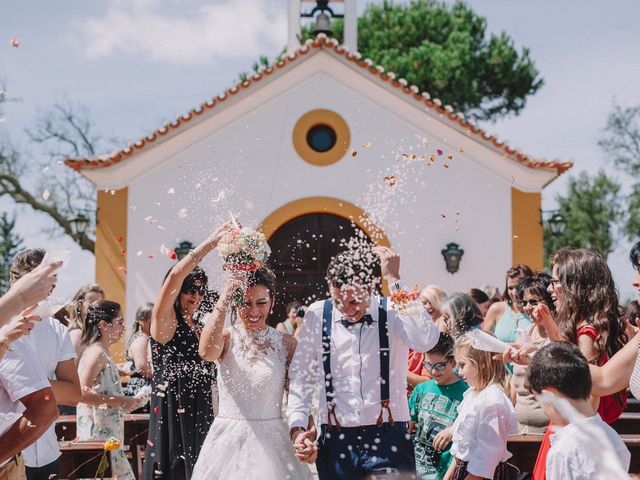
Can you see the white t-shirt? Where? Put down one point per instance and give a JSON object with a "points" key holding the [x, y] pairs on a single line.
{"points": [[480, 430], [578, 451], [20, 375], [50, 340]]}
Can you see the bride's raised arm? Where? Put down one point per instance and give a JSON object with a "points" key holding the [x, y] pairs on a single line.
{"points": [[213, 338], [163, 318]]}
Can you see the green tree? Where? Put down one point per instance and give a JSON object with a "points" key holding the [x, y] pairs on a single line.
{"points": [[591, 207], [621, 142], [10, 244], [444, 49]]}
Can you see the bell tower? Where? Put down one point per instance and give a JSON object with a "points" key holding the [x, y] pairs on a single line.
{"points": [[321, 12]]}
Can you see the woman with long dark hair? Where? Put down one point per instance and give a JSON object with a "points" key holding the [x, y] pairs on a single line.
{"points": [[248, 438], [181, 399], [588, 315]]}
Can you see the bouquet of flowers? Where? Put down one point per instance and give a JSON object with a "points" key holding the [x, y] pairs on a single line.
{"points": [[406, 301], [244, 249]]}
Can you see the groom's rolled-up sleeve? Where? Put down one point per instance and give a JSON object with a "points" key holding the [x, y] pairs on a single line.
{"points": [[304, 372]]}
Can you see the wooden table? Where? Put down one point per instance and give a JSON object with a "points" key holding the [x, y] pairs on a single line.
{"points": [[136, 427], [81, 459]]}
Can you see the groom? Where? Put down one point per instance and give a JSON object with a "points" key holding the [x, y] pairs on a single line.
{"points": [[355, 346]]}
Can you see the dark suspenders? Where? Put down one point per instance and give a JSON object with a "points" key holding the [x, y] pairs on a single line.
{"points": [[383, 337]]}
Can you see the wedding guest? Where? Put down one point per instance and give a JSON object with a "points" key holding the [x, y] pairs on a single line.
{"points": [[28, 291], [481, 298], [533, 292], [461, 314], [52, 346], [588, 315], [100, 413], [632, 318], [432, 298], [295, 314], [504, 318], [485, 417], [434, 406], [561, 369], [139, 351], [181, 400], [366, 340], [77, 311]]}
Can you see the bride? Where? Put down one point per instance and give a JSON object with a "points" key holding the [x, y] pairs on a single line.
{"points": [[248, 438]]}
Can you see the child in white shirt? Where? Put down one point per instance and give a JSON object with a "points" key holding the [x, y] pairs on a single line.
{"points": [[485, 418], [578, 449]]}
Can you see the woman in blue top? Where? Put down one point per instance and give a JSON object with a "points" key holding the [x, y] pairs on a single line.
{"points": [[504, 318]]}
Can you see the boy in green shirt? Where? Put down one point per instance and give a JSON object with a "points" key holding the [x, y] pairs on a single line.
{"points": [[434, 406]]}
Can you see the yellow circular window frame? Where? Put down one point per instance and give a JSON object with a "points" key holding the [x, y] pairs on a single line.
{"points": [[321, 117]]}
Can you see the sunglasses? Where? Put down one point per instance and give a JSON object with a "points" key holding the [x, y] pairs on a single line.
{"points": [[533, 302], [438, 366], [192, 289]]}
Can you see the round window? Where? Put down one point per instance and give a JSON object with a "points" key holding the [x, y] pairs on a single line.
{"points": [[321, 138]]}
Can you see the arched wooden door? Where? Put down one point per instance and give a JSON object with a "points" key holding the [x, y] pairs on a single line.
{"points": [[301, 250]]}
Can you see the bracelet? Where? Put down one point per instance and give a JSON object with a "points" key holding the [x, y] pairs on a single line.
{"points": [[195, 256]]}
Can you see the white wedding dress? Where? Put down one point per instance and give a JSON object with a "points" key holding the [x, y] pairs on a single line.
{"points": [[249, 438]]}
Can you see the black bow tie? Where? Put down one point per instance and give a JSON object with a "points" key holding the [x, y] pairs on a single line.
{"points": [[366, 319]]}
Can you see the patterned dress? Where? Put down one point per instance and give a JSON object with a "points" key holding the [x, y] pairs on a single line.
{"points": [[99, 422]]}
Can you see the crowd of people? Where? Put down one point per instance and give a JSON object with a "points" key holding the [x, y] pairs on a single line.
{"points": [[359, 384]]}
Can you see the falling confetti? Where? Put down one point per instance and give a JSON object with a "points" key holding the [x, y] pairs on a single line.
{"points": [[120, 239], [156, 410], [354, 152], [171, 191], [182, 213], [445, 165], [461, 149], [122, 270], [151, 256], [439, 152], [366, 144], [164, 250], [181, 410], [389, 180], [15, 42], [515, 237], [45, 195], [513, 179], [450, 156]]}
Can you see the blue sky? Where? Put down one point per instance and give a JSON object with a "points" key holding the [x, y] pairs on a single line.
{"points": [[139, 63]]}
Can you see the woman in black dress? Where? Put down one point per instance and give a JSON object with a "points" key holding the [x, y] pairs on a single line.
{"points": [[181, 402]]}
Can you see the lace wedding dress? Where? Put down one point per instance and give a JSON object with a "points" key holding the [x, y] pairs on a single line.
{"points": [[249, 438]]}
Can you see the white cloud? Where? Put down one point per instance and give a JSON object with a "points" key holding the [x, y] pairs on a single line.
{"points": [[221, 30]]}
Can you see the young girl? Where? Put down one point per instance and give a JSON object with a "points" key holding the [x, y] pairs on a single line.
{"points": [[139, 352], [485, 417], [100, 413]]}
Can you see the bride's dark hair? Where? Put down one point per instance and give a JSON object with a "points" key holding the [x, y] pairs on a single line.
{"points": [[261, 276]]}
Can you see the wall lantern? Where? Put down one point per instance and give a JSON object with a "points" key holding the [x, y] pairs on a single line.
{"points": [[452, 254], [557, 224], [79, 225], [183, 249]]}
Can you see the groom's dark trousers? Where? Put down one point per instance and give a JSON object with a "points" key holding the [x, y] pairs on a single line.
{"points": [[353, 453]]}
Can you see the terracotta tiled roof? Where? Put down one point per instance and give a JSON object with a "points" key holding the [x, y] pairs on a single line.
{"points": [[331, 45]]}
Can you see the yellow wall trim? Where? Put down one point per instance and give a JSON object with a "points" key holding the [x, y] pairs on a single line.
{"points": [[341, 208], [527, 242], [321, 117], [111, 241]]}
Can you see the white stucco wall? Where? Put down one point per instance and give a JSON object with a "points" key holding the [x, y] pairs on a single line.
{"points": [[242, 160]]}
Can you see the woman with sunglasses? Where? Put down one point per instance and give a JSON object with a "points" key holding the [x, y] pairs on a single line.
{"points": [[181, 400], [533, 293]]}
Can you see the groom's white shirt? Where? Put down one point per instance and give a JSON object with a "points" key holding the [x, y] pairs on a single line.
{"points": [[355, 364]]}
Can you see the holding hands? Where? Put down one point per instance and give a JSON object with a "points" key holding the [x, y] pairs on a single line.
{"points": [[304, 444]]}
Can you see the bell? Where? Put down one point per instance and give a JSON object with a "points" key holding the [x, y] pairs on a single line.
{"points": [[323, 24]]}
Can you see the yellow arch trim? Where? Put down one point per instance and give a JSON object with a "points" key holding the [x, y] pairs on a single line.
{"points": [[321, 117], [341, 208]]}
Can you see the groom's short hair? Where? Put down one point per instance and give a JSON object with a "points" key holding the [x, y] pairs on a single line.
{"points": [[352, 267]]}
